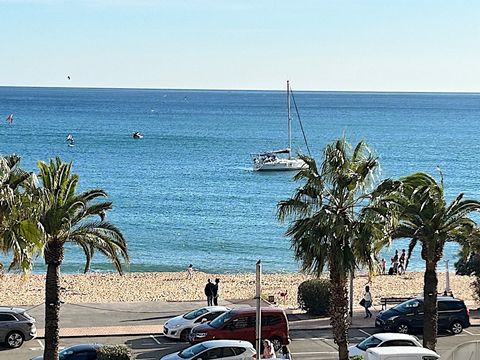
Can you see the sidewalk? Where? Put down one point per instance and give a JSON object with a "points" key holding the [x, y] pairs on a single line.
{"points": [[130, 319]]}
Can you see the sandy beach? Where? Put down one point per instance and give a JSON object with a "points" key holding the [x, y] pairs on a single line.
{"points": [[137, 287]]}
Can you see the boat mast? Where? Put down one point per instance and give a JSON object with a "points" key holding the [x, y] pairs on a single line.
{"points": [[289, 121]]}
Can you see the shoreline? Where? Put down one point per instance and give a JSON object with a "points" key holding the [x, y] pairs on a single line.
{"points": [[175, 286]]}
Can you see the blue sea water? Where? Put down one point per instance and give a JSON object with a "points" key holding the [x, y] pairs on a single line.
{"points": [[185, 193]]}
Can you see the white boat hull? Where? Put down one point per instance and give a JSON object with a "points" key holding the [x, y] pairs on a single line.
{"points": [[279, 165]]}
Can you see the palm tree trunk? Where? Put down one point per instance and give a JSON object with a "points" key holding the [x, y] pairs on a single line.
{"points": [[430, 305], [339, 310], [53, 257]]}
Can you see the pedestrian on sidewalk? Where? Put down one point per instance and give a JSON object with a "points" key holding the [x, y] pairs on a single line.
{"points": [[286, 353], [215, 291], [367, 301], [209, 292], [268, 351]]}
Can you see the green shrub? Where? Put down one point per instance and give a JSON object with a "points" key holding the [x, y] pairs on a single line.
{"points": [[114, 352], [314, 296]]}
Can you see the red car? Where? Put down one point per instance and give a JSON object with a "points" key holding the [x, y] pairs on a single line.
{"points": [[239, 324]]}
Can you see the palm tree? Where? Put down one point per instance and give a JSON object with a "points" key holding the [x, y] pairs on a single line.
{"points": [[68, 217], [417, 210], [327, 229], [20, 231]]}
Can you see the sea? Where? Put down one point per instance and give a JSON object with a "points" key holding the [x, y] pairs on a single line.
{"points": [[186, 194]]}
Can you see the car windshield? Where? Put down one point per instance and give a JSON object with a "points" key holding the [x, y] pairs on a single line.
{"points": [[192, 351], [195, 314], [222, 319], [369, 342], [407, 306]]}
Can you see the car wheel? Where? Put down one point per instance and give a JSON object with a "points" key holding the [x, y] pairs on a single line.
{"points": [[277, 343], [184, 335], [14, 339], [456, 327], [402, 328]]}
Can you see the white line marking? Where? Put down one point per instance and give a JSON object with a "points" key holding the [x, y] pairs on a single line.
{"points": [[468, 332], [309, 339], [314, 352], [41, 344], [364, 332], [154, 339]]}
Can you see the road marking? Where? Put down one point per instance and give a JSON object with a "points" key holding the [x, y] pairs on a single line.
{"points": [[470, 333], [362, 331], [154, 339], [41, 344], [309, 339], [314, 352]]}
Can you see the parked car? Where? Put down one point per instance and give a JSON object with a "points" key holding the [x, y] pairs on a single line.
{"points": [[383, 340], [16, 326], [216, 349], [453, 315], [239, 324], [179, 327], [400, 353], [77, 352]]}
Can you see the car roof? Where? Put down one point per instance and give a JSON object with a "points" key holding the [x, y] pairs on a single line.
{"points": [[252, 309], [402, 350], [394, 336], [216, 308], [81, 347], [12, 309], [441, 298], [217, 343]]}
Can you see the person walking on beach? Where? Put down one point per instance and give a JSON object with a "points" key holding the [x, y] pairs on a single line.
{"points": [[384, 266], [209, 292], [401, 265], [367, 301], [190, 271], [215, 292], [395, 263]]}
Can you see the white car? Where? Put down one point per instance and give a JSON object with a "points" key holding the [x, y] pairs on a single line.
{"points": [[179, 327], [383, 340], [216, 349]]}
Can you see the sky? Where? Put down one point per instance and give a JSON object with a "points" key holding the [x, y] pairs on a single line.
{"points": [[330, 45]]}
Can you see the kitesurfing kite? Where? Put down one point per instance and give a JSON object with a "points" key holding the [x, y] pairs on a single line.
{"points": [[10, 118]]}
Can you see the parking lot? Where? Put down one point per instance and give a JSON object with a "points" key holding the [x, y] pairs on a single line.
{"points": [[306, 345]]}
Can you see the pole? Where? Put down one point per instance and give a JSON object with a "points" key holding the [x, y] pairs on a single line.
{"points": [[289, 121], [447, 279], [350, 294], [258, 321]]}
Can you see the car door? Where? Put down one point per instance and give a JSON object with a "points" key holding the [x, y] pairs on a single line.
{"points": [[6, 324], [242, 328], [416, 315]]}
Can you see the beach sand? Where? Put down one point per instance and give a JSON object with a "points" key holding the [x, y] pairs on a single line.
{"points": [[138, 287]]}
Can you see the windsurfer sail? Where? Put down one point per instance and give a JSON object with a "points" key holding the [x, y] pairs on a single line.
{"points": [[10, 118]]}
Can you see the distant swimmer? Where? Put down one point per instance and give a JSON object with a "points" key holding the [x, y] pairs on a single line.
{"points": [[70, 140], [10, 118], [137, 135], [68, 77]]}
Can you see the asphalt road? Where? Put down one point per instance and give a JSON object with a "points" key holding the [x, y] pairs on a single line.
{"points": [[306, 345]]}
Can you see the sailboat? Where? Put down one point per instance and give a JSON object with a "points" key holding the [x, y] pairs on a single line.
{"points": [[271, 161]]}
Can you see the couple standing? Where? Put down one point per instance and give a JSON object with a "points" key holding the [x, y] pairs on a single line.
{"points": [[211, 291]]}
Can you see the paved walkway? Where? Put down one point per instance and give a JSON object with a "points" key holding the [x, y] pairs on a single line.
{"points": [[82, 320]]}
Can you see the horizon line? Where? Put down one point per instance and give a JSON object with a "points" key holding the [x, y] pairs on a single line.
{"points": [[248, 90]]}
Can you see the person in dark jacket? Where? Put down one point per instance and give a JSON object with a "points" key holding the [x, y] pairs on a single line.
{"points": [[215, 292], [209, 292]]}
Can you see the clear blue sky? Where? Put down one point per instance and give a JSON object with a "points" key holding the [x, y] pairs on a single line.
{"points": [[391, 45]]}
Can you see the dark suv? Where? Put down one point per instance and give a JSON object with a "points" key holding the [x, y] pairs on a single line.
{"points": [[453, 315]]}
